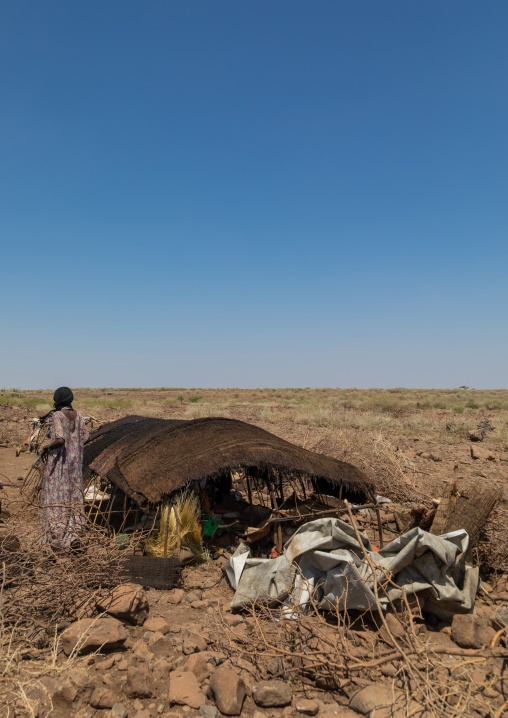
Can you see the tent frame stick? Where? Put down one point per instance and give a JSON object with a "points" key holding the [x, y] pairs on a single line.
{"points": [[249, 494], [277, 533]]}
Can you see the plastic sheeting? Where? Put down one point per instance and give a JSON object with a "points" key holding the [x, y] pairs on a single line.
{"points": [[324, 559]]}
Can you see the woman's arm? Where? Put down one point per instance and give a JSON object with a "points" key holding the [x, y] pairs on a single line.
{"points": [[55, 444]]}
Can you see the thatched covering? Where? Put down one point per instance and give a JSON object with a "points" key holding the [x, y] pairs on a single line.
{"points": [[149, 459]]}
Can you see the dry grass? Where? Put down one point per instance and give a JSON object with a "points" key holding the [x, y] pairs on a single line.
{"points": [[185, 526], [400, 410]]}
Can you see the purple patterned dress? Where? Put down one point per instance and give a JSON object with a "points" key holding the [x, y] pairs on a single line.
{"points": [[62, 482]]}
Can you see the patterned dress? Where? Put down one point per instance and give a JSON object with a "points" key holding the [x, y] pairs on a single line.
{"points": [[62, 482]]}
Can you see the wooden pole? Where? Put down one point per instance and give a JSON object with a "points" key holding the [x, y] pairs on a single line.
{"points": [[277, 534], [111, 501], [249, 494], [379, 528]]}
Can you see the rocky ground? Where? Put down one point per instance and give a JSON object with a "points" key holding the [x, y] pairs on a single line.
{"points": [[184, 653]]}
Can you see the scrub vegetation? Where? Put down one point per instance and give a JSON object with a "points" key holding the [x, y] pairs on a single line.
{"points": [[431, 412]]}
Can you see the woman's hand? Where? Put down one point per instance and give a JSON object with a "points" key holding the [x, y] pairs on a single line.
{"points": [[55, 444]]}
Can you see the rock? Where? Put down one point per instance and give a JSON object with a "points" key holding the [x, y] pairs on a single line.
{"points": [[176, 596], [371, 698], [157, 639], [109, 680], [428, 455], [307, 707], [82, 681], [395, 626], [49, 691], [139, 682], [208, 711], [118, 710], [228, 691], [498, 617], [232, 619], [503, 457], [476, 434], [184, 690], [157, 625], [197, 664], [162, 670], [192, 596], [214, 658], [469, 631], [128, 602], [192, 643], [102, 698], [272, 694], [248, 680], [199, 604], [484, 454], [142, 714], [93, 634], [140, 649]]}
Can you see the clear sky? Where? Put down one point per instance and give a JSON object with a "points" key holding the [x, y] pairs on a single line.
{"points": [[253, 193]]}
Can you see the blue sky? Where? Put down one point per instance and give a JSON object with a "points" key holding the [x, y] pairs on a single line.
{"points": [[253, 193]]}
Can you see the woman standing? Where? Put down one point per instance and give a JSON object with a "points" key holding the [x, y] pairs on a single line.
{"points": [[62, 482]]}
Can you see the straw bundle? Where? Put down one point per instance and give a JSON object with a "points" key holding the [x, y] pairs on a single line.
{"points": [[187, 510]]}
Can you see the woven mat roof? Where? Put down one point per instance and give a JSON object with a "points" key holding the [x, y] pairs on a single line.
{"points": [[150, 458]]}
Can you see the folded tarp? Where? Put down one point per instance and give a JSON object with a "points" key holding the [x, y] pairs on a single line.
{"points": [[324, 560]]}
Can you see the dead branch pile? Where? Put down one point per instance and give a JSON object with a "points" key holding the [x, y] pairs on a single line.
{"points": [[340, 651], [42, 588]]}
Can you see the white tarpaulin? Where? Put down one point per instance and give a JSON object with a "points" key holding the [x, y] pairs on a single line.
{"points": [[324, 559]]}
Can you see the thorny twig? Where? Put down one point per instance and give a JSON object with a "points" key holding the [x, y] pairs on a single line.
{"points": [[323, 649]]}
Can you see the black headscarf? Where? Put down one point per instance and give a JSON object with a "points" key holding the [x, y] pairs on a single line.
{"points": [[63, 397]]}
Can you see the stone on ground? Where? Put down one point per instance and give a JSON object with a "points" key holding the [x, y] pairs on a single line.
{"points": [[470, 631], [128, 602], [176, 596], [118, 710], [156, 624], [228, 691], [102, 698], [93, 634], [272, 694], [184, 690], [156, 639], [371, 697], [140, 683], [483, 454], [208, 711], [307, 707], [197, 664], [193, 643]]}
